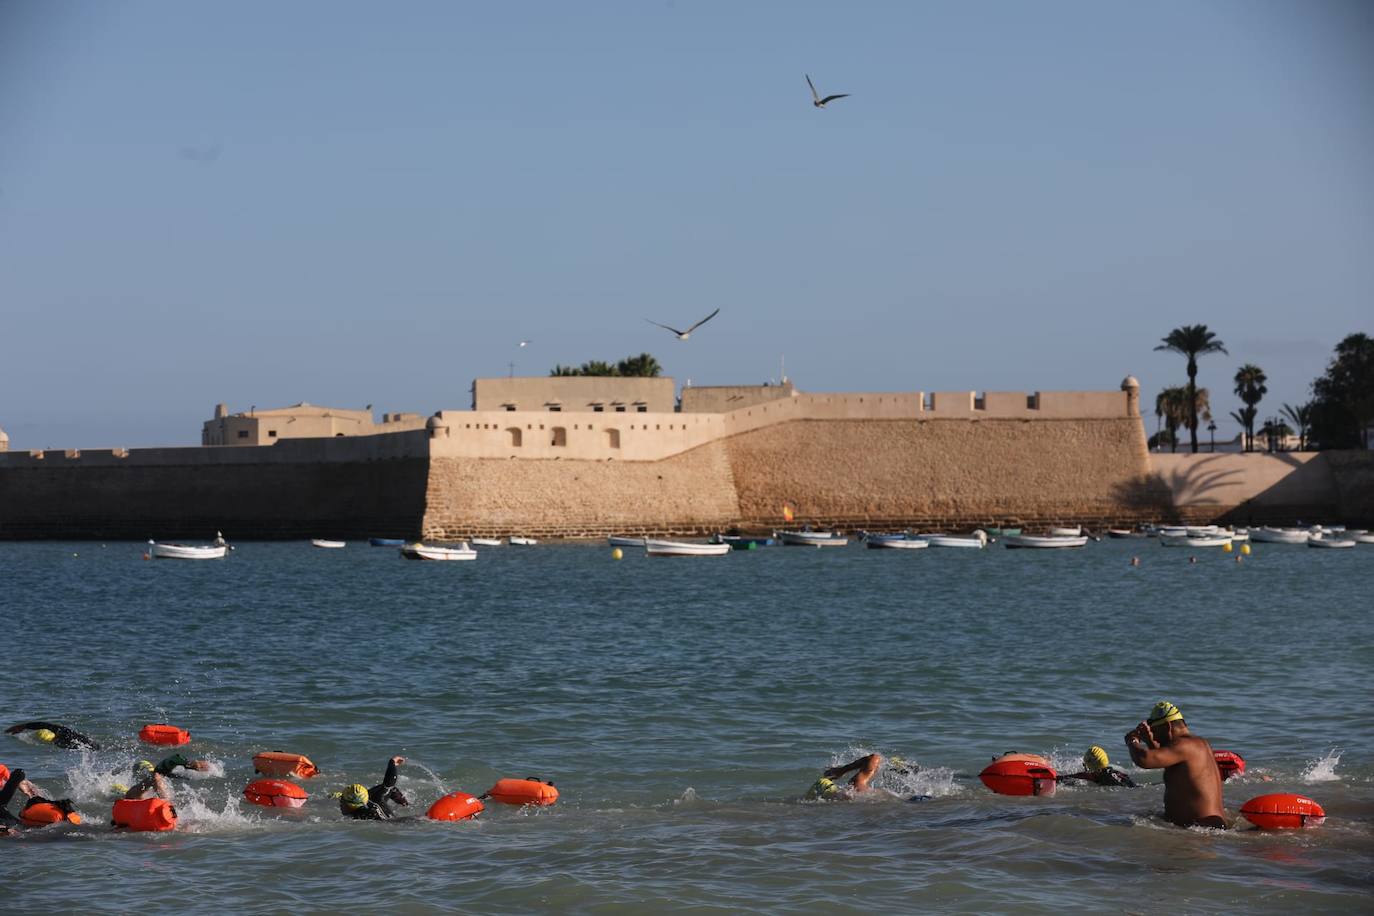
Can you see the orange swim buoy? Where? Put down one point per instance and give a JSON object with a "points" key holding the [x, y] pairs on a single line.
{"points": [[1283, 811], [279, 763], [143, 814], [43, 813], [4, 775], [523, 792], [1230, 764], [455, 806], [1020, 774], [275, 793], [166, 735]]}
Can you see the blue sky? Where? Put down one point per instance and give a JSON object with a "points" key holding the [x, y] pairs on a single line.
{"points": [[364, 203]]}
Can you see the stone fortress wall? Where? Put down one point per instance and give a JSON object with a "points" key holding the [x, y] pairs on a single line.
{"points": [[947, 460]]}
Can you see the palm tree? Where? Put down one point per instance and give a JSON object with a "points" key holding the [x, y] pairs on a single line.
{"points": [[1302, 419], [1170, 406], [1192, 341], [642, 366], [596, 367], [1250, 388], [1245, 417]]}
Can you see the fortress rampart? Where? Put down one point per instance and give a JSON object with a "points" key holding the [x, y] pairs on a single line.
{"points": [[942, 460]]}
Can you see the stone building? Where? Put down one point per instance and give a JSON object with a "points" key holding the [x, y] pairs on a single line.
{"points": [[575, 394], [301, 421]]}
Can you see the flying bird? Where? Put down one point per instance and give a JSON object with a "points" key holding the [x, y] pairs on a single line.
{"points": [[525, 343], [816, 97], [683, 335]]}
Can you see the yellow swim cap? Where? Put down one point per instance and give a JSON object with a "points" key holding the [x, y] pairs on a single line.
{"points": [[118, 789], [45, 735], [822, 788], [355, 796], [143, 768], [1096, 759], [1165, 711]]}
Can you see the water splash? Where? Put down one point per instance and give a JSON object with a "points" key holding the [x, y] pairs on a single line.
{"points": [[1323, 769], [688, 797]]}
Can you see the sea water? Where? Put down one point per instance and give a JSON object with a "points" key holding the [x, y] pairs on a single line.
{"points": [[682, 707]]}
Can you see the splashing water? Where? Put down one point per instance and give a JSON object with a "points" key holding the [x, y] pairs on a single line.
{"points": [[1323, 769], [687, 798]]}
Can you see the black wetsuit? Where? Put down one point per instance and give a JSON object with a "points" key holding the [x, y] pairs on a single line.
{"points": [[66, 737], [376, 808], [1107, 776], [8, 820]]}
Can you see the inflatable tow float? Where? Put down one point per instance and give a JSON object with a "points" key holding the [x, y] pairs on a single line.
{"points": [[1020, 774], [143, 815], [1230, 763], [278, 763], [522, 792], [275, 793], [1283, 811], [455, 806], [164, 735], [43, 813]]}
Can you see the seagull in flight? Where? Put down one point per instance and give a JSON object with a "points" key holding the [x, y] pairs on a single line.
{"points": [[525, 343], [683, 335], [816, 97]]}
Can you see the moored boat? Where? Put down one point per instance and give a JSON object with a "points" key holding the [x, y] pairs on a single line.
{"points": [[617, 540], [1332, 543], [1050, 542], [1364, 537], [997, 532], [1126, 533], [812, 539], [328, 545], [187, 551], [976, 540], [519, 541], [742, 541], [1073, 532], [895, 542], [418, 551], [659, 548], [1195, 540], [1268, 535], [486, 542]]}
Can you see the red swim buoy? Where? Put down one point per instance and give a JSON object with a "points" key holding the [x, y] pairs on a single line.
{"points": [[1283, 811], [275, 793], [278, 763], [1020, 774], [43, 813], [523, 792], [4, 775], [455, 806], [143, 814], [163, 734], [1230, 763]]}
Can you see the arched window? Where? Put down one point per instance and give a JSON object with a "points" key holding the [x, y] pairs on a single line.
{"points": [[516, 436], [560, 435]]}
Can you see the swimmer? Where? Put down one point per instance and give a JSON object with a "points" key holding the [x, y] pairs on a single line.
{"points": [[151, 781], [1099, 770], [1192, 781], [56, 735], [1135, 561], [864, 769], [9, 824], [364, 804], [1192, 559]]}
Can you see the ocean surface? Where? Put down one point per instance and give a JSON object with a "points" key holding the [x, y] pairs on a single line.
{"points": [[682, 707]]}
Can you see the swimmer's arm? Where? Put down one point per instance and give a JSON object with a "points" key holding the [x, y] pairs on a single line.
{"points": [[867, 767], [1148, 753], [389, 780]]}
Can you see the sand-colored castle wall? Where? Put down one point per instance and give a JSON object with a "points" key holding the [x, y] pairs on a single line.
{"points": [[946, 473], [690, 493], [1268, 488]]}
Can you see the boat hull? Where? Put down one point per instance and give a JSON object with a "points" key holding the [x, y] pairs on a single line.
{"points": [[616, 540], [896, 544], [186, 552], [328, 545], [426, 552], [1045, 543], [656, 548], [812, 539]]}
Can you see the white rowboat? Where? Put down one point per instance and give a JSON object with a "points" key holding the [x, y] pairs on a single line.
{"points": [[329, 545], [1073, 532], [486, 542], [977, 540], [617, 540], [1279, 535], [1331, 543], [812, 539], [426, 552], [896, 543], [518, 541], [1030, 540], [1184, 540], [656, 548], [187, 551]]}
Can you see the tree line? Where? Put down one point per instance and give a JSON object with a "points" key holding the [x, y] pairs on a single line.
{"points": [[1338, 415], [642, 366]]}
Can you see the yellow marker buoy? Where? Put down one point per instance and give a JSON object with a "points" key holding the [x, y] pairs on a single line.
{"points": [[1245, 549], [1226, 548], [617, 554]]}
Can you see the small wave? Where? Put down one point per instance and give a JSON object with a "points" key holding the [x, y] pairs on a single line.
{"points": [[688, 797], [1323, 769]]}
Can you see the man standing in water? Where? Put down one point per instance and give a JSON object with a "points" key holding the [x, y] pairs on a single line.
{"points": [[1192, 782]]}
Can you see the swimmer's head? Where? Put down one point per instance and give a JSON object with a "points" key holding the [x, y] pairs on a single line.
{"points": [[355, 796], [902, 765], [1096, 759], [143, 769], [45, 735], [1164, 712], [823, 788], [118, 789]]}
